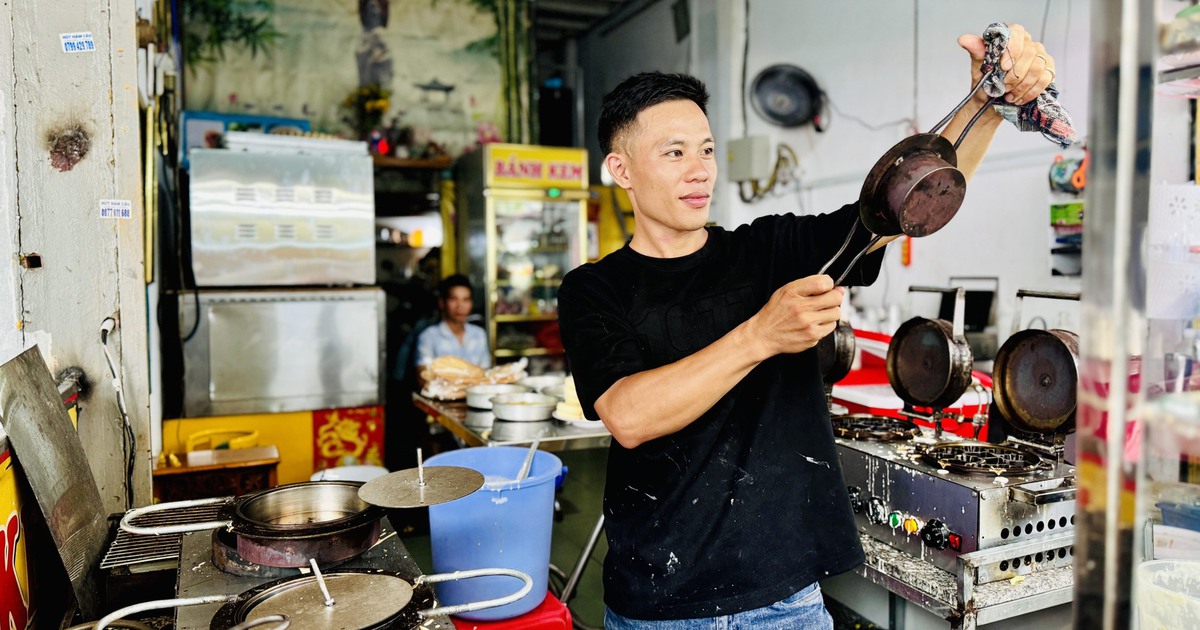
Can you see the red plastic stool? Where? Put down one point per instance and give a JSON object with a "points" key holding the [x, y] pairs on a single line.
{"points": [[551, 614]]}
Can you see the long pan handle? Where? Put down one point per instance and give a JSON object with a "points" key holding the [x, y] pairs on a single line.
{"points": [[474, 573], [963, 103], [1049, 295], [958, 323], [157, 604], [157, 530]]}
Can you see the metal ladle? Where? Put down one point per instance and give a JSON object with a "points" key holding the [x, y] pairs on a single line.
{"points": [[915, 188]]}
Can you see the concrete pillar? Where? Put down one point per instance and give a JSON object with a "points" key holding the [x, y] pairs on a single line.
{"points": [[69, 146]]}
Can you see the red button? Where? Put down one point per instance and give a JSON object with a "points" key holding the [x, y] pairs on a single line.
{"points": [[956, 542]]}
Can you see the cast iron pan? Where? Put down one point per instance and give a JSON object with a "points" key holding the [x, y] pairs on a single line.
{"points": [[1035, 378]]}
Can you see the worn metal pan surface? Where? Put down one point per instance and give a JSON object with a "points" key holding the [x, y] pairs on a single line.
{"points": [[1035, 378], [927, 364], [285, 526], [835, 353]]}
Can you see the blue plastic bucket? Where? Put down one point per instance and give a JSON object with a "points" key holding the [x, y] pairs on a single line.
{"points": [[503, 525]]}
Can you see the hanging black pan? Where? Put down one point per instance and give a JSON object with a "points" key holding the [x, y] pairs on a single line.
{"points": [[929, 360], [915, 188]]}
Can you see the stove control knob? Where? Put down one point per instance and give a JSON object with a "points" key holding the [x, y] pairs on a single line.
{"points": [[857, 503], [935, 534], [876, 511]]}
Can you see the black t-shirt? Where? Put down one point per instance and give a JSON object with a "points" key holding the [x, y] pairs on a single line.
{"points": [[746, 505]]}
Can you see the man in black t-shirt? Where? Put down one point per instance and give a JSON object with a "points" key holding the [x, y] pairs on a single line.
{"points": [[724, 501]]}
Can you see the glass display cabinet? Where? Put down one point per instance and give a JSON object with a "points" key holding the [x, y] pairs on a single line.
{"points": [[522, 225]]}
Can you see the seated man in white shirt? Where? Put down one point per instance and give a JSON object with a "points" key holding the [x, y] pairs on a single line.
{"points": [[453, 335]]}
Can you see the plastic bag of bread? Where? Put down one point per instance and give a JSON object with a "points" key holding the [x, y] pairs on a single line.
{"points": [[456, 370], [441, 389], [507, 372]]}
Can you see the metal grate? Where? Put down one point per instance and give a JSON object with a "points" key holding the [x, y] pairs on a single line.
{"points": [[285, 231], [325, 232], [245, 194], [323, 195], [861, 426], [246, 232], [129, 549], [982, 459], [285, 194]]}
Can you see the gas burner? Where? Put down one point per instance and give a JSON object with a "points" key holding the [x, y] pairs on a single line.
{"points": [[225, 557], [982, 459], [864, 426]]}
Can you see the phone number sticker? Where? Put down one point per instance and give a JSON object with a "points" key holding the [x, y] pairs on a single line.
{"points": [[116, 209], [77, 42]]}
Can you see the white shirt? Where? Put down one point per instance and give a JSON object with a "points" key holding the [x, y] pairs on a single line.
{"points": [[438, 340]]}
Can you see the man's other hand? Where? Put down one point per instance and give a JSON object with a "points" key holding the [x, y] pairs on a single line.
{"points": [[798, 315], [1028, 66]]}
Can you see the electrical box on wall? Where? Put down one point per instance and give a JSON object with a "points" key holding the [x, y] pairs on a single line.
{"points": [[749, 158]]}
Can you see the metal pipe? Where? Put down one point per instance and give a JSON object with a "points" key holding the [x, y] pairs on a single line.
{"points": [[159, 604], [527, 585], [1123, 33], [580, 564]]}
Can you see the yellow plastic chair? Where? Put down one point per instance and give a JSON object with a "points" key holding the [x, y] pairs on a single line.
{"points": [[217, 439]]}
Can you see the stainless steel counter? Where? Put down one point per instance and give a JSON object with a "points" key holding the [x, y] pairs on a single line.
{"points": [[477, 427]]}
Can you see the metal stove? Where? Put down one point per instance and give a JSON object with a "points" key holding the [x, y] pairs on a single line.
{"points": [[938, 499], [206, 568], [208, 564]]}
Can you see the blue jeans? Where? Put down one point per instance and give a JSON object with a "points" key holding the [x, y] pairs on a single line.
{"points": [[804, 610]]}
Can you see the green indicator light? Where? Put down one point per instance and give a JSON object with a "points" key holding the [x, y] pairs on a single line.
{"points": [[894, 519], [554, 193]]}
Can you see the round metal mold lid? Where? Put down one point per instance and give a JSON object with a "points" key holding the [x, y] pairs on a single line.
{"points": [[1036, 379], [401, 489], [362, 600], [919, 361], [835, 353]]}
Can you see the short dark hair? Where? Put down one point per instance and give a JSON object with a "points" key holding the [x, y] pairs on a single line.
{"points": [[640, 91], [451, 281]]}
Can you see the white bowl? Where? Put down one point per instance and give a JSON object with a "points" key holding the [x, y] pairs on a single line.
{"points": [[480, 396], [536, 383], [558, 391], [527, 407]]}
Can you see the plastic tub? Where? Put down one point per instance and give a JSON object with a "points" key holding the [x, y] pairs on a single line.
{"points": [[1181, 515], [504, 524], [1168, 594]]}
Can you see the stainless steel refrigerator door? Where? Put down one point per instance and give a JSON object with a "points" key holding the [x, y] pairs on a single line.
{"points": [[265, 352], [281, 220]]}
